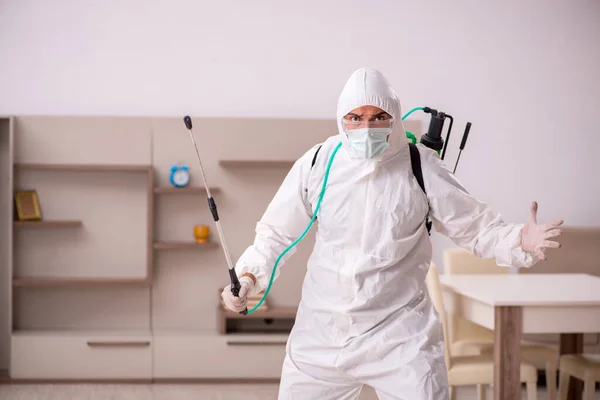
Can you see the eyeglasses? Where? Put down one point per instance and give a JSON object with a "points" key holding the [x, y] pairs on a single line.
{"points": [[350, 124]]}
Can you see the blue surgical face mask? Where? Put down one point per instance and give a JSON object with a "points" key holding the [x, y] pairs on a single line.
{"points": [[368, 142]]}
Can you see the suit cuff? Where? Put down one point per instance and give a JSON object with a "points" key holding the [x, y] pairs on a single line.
{"points": [[509, 252]]}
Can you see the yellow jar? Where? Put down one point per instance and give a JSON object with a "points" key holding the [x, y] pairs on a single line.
{"points": [[201, 233]]}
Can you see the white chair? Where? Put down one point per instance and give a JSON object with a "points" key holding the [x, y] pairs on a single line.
{"points": [[469, 338], [585, 367], [471, 370]]}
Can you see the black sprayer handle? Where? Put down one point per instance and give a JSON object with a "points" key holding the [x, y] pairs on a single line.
{"points": [[465, 136], [235, 287], [463, 143]]}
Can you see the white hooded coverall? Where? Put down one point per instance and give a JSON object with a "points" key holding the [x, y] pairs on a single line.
{"points": [[365, 317]]}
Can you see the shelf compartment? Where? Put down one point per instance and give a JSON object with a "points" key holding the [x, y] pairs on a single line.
{"points": [[47, 224], [184, 190], [84, 167], [174, 245], [256, 163], [274, 321], [78, 282]]}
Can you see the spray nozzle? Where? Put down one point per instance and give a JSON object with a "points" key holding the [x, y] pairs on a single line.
{"points": [[188, 122]]}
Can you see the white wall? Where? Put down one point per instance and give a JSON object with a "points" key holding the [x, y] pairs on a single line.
{"points": [[527, 74]]}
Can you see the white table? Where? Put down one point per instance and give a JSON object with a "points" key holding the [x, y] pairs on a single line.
{"points": [[568, 304]]}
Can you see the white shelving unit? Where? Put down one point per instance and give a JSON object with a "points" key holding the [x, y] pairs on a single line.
{"points": [[74, 307], [81, 353]]}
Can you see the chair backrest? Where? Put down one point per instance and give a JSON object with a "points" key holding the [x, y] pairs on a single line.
{"points": [[460, 261], [579, 253], [434, 288]]}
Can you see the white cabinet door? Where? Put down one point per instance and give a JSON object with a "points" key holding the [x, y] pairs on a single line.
{"points": [[75, 356], [197, 356]]}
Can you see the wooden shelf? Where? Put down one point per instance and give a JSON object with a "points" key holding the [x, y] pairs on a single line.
{"points": [[47, 224], [174, 245], [185, 190], [273, 321], [85, 167], [86, 282], [256, 163], [236, 339], [82, 332], [274, 312]]}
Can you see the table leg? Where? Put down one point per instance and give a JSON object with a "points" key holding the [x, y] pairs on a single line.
{"points": [[508, 327], [572, 343]]}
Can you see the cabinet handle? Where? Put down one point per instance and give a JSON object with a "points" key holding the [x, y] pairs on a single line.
{"points": [[118, 344]]}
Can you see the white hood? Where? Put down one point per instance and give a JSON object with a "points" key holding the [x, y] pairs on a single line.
{"points": [[368, 87]]}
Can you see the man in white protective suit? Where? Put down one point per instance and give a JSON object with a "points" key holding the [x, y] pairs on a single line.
{"points": [[365, 317]]}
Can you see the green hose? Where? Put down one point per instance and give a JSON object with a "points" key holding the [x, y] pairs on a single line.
{"points": [[283, 253], [409, 135], [412, 111]]}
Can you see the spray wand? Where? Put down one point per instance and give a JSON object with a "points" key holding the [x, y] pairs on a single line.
{"points": [[235, 282]]}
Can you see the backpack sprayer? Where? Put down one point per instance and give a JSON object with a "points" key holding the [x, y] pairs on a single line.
{"points": [[432, 139]]}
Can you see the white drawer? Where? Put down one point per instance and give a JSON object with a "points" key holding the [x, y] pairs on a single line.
{"points": [[68, 355], [196, 356]]}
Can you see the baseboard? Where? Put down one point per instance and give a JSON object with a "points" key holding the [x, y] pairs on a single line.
{"points": [[5, 379], [218, 381], [11, 381]]}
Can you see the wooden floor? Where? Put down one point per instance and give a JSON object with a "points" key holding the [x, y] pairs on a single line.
{"points": [[172, 392]]}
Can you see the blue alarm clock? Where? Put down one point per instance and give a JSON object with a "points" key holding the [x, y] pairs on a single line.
{"points": [[180, 175]]}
